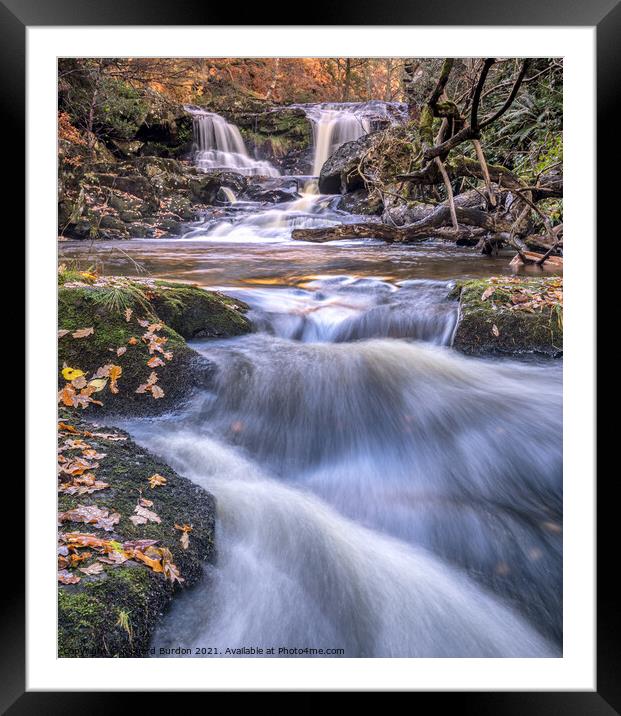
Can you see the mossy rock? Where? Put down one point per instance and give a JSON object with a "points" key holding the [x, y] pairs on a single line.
{"points": [[192, 311], [114, 613], [195, 313], [497, 325]]}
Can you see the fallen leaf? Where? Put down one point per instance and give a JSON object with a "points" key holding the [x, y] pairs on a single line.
{"points": [[156, 480], [98, 384], [487, 293], [121, 350], [157, 392], [67, 395], [128, 314], [83, 332], [72, 373], [91, 514], [495, 330], [92, 569], [155, 362], [62, 333], [64, 427], [142, 516], [132, 341], [66, 577]]}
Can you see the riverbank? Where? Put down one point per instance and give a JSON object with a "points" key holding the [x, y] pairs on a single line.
{"points": [[132, 534], [132, 531]]}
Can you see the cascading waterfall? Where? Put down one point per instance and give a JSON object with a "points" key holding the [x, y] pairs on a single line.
{"points": [[333, 128], [376, 492], [336, 123], [219, 145]]}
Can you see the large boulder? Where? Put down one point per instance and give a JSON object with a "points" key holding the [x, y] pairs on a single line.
{"points": [[510, 315], [272, 191], [340, 174], [205, 186], [129, 326], [112, 608]]}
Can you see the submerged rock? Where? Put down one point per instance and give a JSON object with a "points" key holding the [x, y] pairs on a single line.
{"points": [[114, 612], [506, 315]]}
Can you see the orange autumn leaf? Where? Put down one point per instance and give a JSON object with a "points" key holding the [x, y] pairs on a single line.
{"points": [[155, 362], [157, 392], [64, 427], [132, 341], [156, 480]]}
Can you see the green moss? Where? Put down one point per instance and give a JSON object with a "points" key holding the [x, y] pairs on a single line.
{"points": [[519, 331], [196, 313], [115, 612]]}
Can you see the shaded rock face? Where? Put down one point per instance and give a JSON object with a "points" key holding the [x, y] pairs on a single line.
{"points": [[114, 613], [282, 136], [339, 174], [139, 197], [359, 202], [497, 325], [206, 186]]}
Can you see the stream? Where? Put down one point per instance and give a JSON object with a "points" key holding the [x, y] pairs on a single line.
{"points": [[378, 494]]}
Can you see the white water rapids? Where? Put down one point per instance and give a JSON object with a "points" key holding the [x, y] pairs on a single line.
{"points": [[377, 493]]}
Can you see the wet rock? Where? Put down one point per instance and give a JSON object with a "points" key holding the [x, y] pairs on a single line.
{"points": [[195, 312], [509, 320], [359, 202], [272, 191], [339, 174], [114, 613], [205, 186]]}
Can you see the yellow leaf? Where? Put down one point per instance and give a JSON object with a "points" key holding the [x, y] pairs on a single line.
{"points": [[72, 373], [98, 384]]}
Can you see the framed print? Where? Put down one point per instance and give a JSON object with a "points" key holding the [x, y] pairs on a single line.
{"points": [[310, 356]]}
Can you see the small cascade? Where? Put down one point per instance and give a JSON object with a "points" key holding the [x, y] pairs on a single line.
{"points": [[229, 194], [219, 145], [334, 124], [332, 129]]}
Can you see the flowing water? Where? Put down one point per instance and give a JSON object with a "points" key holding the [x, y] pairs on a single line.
{"points": [[377, 493], [219, 145], [335, 123]]}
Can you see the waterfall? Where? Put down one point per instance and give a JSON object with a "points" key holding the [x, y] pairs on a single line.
{"points": [[333, 128], [219, 145], [334, 124]]}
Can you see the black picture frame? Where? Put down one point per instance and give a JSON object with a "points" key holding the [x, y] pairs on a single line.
{"points": [[605, 15]]}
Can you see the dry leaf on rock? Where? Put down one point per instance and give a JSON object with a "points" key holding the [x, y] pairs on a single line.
{"points": [[66, 577], [92, 569], [83, 332], [156, 480]]}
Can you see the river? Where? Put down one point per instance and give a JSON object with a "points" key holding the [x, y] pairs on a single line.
{"points": [[378, 494]]}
